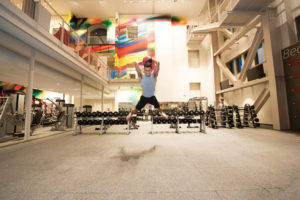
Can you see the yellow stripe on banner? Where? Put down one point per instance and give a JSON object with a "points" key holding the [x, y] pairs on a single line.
{"points": [[151, 45], [69, 17], [129, 59]]}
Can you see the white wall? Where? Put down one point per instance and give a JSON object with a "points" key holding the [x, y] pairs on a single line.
{"points": [[171, 51], [96, 104], [175, 74], [206, 75], [286, 12], [14, 69], [248, 96]]}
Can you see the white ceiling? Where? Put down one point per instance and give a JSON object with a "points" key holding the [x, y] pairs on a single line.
{"points": [[109, 8]]}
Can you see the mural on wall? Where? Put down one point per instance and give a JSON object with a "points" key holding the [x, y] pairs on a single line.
{"points": [[81, 27], [130, 49], [128, 39], [6, 87], [177, 20], [12, 87]]}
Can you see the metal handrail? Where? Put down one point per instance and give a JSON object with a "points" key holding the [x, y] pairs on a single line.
{"points": [[78, 40], [63, 20]]}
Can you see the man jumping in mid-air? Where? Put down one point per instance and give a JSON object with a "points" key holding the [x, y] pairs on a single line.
{"points": [[148, 81]]}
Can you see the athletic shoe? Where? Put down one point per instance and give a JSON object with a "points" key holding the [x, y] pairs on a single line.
{"points": [[164, 115], [128, 116]]}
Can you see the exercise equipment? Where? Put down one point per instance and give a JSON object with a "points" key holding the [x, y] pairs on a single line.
{"points": [[238, 122], [104, 120], [60, 118], [177, 117]]}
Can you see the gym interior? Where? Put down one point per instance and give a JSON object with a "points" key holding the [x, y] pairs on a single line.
{"points": [[228, 82]]}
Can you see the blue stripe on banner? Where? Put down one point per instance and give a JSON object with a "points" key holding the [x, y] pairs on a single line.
{"points": [[129, 44], [112, 75]]}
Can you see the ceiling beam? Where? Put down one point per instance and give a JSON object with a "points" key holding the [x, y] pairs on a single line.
{"points": [[238, 35], [252, 53], [225, 70]]}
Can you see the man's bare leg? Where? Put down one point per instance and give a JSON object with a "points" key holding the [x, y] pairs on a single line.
{"points": [[134, 111], [162, 113]]}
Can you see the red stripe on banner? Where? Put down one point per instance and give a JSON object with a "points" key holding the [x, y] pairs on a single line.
{"points": [[121, 69], [141, 46], [127, 23], [102, 48], [17, 87]]}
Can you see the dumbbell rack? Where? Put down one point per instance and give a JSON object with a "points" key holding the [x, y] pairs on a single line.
{"points": [[238, 122], [223, 117], [229, 116], [104, 119], [250, 110], [245, 117], [175, 119], [254, 119], [211, 120]]}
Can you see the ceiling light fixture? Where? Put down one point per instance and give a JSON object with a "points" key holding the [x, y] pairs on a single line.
{"points": [[75, 3]]}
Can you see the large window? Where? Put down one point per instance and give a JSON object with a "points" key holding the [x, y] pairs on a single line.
{"points": [[259, 58], [97, 34], [239, 63], [230, 66]]}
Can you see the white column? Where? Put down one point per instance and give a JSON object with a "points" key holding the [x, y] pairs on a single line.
{"points": [[81, 88], [102, 98], [116, 101], [28, 103]]}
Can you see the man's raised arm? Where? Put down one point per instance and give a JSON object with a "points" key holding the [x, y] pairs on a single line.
{"points": [[156, 68], [138, 70]]}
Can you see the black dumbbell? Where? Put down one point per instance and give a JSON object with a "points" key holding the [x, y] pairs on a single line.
{"points": [[99, 114], [78, 114], [104, 114], [84, 114], [115, 114]]}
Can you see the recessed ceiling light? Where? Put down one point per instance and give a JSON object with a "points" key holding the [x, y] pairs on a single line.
{"points": [[75, 3]]}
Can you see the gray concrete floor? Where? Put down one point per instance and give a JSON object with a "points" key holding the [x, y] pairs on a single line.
{"points": [[222, 164]]}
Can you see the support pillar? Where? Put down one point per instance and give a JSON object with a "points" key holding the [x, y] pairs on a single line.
{"points": [[102, 98], [81, 88], [28, 103], [275, 69]]}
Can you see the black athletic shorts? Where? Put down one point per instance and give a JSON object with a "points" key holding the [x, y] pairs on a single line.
{"points": [[144, 100]]}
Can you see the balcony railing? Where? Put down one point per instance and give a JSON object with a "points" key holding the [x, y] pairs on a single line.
{"points": [[69, 37]]}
